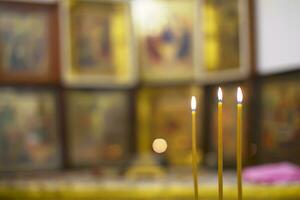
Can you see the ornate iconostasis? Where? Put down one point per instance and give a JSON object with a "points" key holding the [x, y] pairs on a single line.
{"points": [[87, 84]]}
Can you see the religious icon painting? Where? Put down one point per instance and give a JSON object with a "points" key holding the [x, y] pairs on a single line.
{"points": [[224, 45], [166, 113], [98, 38], [28, 54], [98, 125], [229, 121], [164, 31], [29, 138], [280, 119]]}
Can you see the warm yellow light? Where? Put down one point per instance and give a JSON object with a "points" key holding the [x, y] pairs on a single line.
{"points": [[149, 15], [159, 145], [239, 95], [220, 94], [193, 103]]}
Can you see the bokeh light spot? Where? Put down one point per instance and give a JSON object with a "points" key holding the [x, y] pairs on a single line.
{"points": [[159, 145]]}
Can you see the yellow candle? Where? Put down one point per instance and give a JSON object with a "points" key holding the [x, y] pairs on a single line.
{"points": [[239, 141], [220, 144], [194, 147]]}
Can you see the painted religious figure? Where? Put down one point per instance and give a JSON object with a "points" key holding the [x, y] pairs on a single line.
{"points": [[24, 48], [280, 119], [29, 138], [164, 113], [98, 125], [165, 39], [100, 43]]}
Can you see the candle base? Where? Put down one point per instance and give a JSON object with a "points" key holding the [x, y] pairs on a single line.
{"points": [[145, 167]]}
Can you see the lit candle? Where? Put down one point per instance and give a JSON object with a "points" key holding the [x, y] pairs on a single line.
{"points": [[194, 146], [220, 143], [239, 141]]}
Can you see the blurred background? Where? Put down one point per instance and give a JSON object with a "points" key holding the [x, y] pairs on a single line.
{"points": [[86, 86]]}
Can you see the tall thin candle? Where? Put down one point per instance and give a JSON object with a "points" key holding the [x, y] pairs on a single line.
{"points": [[220, 144], [239, 141], [194, 147]]}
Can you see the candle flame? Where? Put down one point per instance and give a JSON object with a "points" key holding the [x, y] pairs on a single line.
{"points": [[193, 103], [220, 94], [239, 95]]}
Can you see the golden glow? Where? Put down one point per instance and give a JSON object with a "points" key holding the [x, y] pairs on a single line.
{"points": [[148, 15], [193, 103], [120, 41], [239, 95], [159, 145], [220, 94], [211, 42]]}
